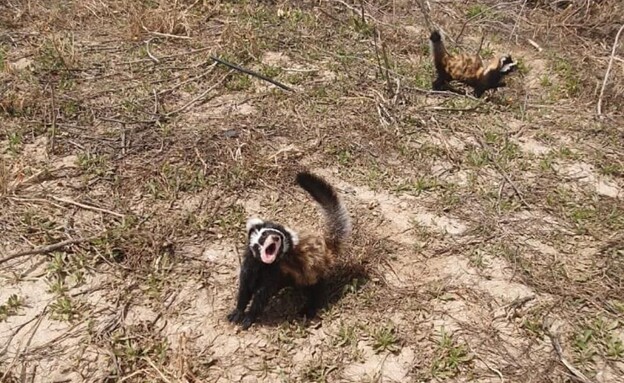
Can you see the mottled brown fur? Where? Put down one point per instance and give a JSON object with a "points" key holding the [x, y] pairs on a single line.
{"points": [[310, 261], [468, 69]]}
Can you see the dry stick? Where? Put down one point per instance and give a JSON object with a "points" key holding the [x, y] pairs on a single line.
{"points": [[385, 58], [461, 32], [53, 136], [480, 44], [363, 15], [149, 54], [355, 10], [252, 73], [48, 248], [486, 147], [386, 61], [425, 13], [162, 375], [17, 330], [88, 207], [606, 77], [167, 57], [30, 338], [535, 45], [517, 19], [202, 95], [557, 346]]}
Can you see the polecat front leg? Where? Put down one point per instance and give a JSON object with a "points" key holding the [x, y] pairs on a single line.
{"points": [[260, 300], [247, 280]]}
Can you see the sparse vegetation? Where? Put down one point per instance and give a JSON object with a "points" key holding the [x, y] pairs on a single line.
{"points": [[11, 307], [481, 227], [450, 358], [385, 339]]}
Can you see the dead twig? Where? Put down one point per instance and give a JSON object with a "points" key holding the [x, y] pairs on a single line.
{"points": [[573, 370], [200, 96], [48, 248], [166, 57], [149, 54], [425, 12], [160, 373], [488, 152], [53, 117], [535, 45], [606, 77], [87, 207], [513, 30], [252, 73], [21, 352], [480, 44]]}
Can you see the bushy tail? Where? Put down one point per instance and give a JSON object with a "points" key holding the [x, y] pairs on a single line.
{"points": [[437, 48], [337, 220]]}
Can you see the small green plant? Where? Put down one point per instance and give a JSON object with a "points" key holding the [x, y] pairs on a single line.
{"points": [[571, 82], [11, 307], [353, 286], [344, 157], [533, 326], [238, 82], [546, 164], [15, 142], [477, 10], [63, 309], [450, 356], [92, 163], [271, 71], [486, 53], [612, 169], [583, 347], [545, 81], [615, 348], [317, 371], [346, 336], [477, 158], [522, 67], [362, 27], [385, 339], [418, 186], [476, 259]]}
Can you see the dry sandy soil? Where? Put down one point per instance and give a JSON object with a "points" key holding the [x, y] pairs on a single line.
{"points": [[488, 241]]}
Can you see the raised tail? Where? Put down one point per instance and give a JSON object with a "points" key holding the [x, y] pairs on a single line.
{"points": [[438, 51], [337, 220]]}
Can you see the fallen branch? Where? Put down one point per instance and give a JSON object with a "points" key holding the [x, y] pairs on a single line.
{"points": [[48, 248], [606, 77], [535, 45], [486, 147], [252, 73], [202, 95], [573, 370], [149, 54], [87, 207]]}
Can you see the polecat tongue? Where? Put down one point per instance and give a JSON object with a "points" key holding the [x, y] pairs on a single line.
{"points": [[269, 253]]}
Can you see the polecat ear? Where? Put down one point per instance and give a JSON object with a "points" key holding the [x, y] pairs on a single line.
{"points": [[293, 235], [251, 222]]}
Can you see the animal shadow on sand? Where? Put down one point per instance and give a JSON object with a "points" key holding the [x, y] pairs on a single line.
{"points": [[286, 305]]}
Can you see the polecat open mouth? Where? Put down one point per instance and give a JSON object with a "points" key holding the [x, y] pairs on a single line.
{"points": [[268, 254]]}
